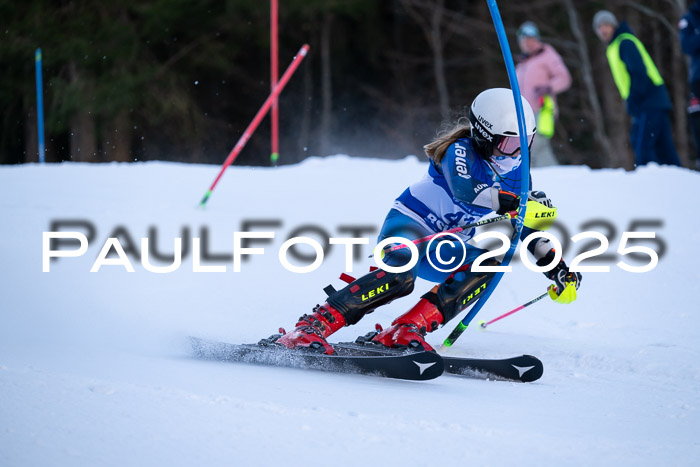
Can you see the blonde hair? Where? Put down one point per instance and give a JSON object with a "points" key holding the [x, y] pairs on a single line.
{"points": [[437, 148]]}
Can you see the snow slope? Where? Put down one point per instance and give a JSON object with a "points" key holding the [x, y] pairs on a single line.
{"points": [[94, 369]]}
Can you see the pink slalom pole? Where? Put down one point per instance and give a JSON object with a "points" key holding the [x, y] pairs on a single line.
{"points": [[536, 299], [274, 76], [258, 117]]}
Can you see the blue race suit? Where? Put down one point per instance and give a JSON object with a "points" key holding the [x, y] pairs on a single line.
{"points": [[454, 193]]}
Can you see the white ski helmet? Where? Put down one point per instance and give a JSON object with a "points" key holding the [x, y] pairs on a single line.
{"points": [[494, 122]]}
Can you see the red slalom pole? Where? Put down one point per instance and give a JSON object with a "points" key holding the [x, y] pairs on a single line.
{"points": [[274, 76], [484, 324], [258, 118]]}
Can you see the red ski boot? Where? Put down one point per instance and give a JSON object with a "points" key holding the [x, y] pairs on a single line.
{"points": [[409, 329], [312, 330], [343, 308]]}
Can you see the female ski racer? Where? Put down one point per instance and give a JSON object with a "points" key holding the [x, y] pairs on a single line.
{"points": [[474, 171]]}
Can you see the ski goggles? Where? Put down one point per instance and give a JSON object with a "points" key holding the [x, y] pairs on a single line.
{"points": [[509, 145]]}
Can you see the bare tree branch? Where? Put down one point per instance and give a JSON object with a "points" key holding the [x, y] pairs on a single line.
{"points": [[653, 14], [587, 75]]}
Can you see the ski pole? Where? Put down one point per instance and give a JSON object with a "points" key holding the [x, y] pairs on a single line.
{"points": [[507, 216], [484, 324], [258, 117], [525, 153]]}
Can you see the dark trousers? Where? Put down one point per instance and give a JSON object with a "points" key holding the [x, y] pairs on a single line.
{"points": [[652, 140], [694, 118]]}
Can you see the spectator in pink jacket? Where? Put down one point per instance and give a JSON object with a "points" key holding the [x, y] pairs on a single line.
{"points": [[541, 75]]}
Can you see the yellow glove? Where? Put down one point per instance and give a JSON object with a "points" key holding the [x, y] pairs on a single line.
{"points": [[565, 283], [567, 296], [540, 213], [538, 216]]}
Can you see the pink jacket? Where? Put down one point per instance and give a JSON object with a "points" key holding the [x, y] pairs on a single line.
{"points": [[543, 69]]}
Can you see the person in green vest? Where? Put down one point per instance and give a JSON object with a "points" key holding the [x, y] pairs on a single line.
{"points": [[642, 87]]}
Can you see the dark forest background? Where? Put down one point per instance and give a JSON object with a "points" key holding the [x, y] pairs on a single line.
{"points": [[180, 80]]}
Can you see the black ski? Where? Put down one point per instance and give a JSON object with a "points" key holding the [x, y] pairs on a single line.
{"points": [[524, 368], [370, 359], [408, 365]]}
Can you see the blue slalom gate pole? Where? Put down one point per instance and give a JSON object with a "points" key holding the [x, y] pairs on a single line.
{"points": [[39, 105], [524, 175]]}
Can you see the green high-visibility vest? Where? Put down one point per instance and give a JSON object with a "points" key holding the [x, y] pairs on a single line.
{"points": [[545, 119], [619, 69]]}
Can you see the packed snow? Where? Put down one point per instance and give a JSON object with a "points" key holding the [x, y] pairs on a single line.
{"points": [[95, 367]]}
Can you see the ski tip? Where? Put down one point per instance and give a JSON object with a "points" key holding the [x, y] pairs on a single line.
{"points": [[523, 369], [534, 369]]}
